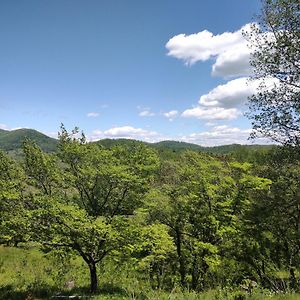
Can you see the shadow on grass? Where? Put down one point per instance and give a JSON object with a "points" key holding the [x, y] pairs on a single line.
{"points": [[110, 289], [9, 292]]}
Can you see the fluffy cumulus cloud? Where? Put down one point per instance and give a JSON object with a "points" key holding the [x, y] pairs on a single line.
{"points": [[226, 101], [230, 94], [229, 49], [221, 135], [127, 132], [230, 55], [92, 115], [235, 92], [211, 113], [233, 62]]}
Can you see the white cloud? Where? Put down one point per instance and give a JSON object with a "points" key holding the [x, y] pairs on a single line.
{"points": [[4, 127], [230, 94], [221, 135], [226, 101], [215, 136], [146, 113], [230, 50], [211, 113], [171, 114], [210, 124], [236, 92], [52, 134], [127, 132], [124, 131], [8, 128], [92, 115], [233, 62]]}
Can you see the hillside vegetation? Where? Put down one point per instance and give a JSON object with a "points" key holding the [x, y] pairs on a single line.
{"points": [[131, 222], [12, 141]]}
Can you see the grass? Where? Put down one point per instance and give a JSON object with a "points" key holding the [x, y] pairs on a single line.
{"points": [[28, 274]]}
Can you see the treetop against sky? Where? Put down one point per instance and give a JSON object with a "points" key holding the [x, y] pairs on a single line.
{"points": [[149, 70]]}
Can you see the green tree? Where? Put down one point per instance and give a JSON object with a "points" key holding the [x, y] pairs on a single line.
{"points": [[276, 217], [167, 205], [208, 205], [275, 112], [99, 191], [13, 223], [151, 252], [41, 168], [242, 251], [195, 203]]}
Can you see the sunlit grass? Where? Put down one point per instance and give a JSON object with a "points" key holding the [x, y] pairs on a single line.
{"points": [[29, 274]]}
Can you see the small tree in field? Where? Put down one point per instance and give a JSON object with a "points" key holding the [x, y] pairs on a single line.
{"points": [[85, 199]]}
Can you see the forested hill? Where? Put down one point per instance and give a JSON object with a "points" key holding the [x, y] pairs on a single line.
{"points": [[171, 145], [12, 140], [169, 149]]}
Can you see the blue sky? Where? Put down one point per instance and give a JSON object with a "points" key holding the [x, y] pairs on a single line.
{"points": [[150, 70]]}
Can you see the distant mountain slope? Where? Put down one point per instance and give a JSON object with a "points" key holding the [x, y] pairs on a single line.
{"points": [[225, 149], [12, 140], [3, 132], [165, 145], [169, 149], [109, 143], [179, 146]]}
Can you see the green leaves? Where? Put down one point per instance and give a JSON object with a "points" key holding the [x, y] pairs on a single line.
{"points": [[198, 220], [274, 111], [81, 198], [13, 219], [108, 182], [41, 168], [153, 245]]}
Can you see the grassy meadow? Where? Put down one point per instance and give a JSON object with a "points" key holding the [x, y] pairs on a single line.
{"points": [[27, 273]]}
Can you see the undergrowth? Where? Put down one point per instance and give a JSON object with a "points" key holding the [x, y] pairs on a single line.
{"points": [[28, 274]]}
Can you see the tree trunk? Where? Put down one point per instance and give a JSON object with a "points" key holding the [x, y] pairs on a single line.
{"points": [[180, 258], [293, 280], [93, 277], [195, 274]]}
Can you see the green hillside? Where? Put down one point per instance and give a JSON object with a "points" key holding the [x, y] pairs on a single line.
{"points": [[177, 146], [171, 149], [12, 140], [109, 143], [3, 132]]}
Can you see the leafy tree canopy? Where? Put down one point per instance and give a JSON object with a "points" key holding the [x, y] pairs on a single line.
{"points": [[275, 109]]}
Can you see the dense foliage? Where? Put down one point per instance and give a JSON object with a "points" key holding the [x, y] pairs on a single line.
{"points": [[174, 217], [275, 109], [193, 220]]}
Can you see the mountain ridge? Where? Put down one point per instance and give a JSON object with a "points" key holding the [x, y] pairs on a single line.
{"points": [[11, 140]]}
